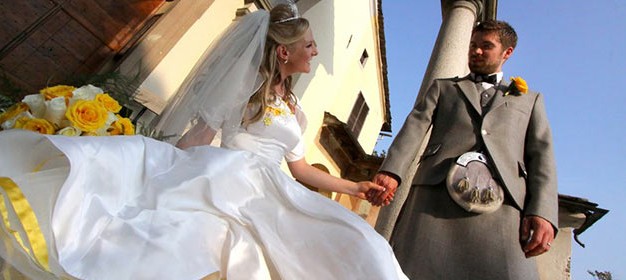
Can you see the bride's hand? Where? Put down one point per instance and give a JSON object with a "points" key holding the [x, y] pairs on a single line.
{"points": [[200, 134], [363, 187], [383, 198]]}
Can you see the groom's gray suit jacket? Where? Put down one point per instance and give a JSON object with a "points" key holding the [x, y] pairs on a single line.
{"points": [[514, 130]]}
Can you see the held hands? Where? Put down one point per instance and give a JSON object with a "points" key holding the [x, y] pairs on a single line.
{"points": [[537, 235], [363, 188], [384, 197]]}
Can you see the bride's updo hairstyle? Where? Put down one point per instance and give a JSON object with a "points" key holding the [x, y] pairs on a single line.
{"points": [[286, 27]]}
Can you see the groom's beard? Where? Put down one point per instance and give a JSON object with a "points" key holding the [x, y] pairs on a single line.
{"points": [[482, 66]]}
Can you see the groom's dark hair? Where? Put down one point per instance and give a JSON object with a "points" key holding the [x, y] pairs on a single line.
{"points": [[505, 32]]}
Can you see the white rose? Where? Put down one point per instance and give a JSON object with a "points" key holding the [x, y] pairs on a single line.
{"points": [[102, 131], [69, 131], [36, 104], [110, 119], [55, 110], [87, 92], [8, 124]]}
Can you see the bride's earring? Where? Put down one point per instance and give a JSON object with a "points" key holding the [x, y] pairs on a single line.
{"points": [[286, 60]]}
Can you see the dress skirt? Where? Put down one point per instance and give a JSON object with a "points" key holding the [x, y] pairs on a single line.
{"points": [[130, 207]]}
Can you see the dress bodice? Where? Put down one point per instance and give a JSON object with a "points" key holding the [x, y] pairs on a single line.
{"points": [[276, 135]]}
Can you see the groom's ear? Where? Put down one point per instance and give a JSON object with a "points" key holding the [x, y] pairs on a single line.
{"points": [[282, 52], [508, 52]]}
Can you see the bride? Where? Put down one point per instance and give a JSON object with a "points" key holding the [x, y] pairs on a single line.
{"points": [[131, 207]]}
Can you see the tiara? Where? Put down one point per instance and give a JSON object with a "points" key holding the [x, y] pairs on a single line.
{"points": [[294, 11], [287, 19]]}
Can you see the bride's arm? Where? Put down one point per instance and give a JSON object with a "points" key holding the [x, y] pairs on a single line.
{"points": [[200, 134], [310, 175]]}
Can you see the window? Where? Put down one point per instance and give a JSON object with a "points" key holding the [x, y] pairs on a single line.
{"points": [[358, 115], [364, 57]]}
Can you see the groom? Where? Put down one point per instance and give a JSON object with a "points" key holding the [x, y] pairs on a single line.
{"points": [[435, 237]]}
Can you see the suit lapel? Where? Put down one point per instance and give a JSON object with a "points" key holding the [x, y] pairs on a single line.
{"points": [[468, 87], [498, 98]]}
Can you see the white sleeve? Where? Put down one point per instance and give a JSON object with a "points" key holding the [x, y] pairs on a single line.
{"points": [[297, 153]]}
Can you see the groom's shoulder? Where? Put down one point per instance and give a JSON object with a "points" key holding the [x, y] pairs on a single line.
{"points": [[446, 82], [451, 79]]}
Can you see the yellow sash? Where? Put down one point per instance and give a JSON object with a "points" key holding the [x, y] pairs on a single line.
{"points": [[31, 239]]}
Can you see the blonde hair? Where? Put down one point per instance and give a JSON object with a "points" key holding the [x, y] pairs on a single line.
{"points": [[285, 28]]}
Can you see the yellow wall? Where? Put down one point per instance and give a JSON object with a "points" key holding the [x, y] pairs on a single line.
{"points": [[172, 70], [342, 29]]}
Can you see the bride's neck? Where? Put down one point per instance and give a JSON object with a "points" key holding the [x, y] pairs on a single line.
{"points": [[279, 89]]}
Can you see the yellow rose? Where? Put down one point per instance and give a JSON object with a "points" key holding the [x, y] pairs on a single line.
{"points": [[122, 126], [87, 115], [109, 103], [19, 123], [13, 111], [37, 125], [57, 91], [520, 84]]}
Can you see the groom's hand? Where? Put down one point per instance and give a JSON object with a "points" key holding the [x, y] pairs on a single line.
{"points": [[383, 198], [537, 235]]}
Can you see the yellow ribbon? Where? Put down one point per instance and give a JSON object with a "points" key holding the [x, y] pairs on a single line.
{"points": [[35, 244]]}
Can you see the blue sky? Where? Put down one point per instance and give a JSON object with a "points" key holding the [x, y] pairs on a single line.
{"points": [[572, 52]]}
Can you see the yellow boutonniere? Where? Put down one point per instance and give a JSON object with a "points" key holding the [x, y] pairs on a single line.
{"points": [[518, 86]]}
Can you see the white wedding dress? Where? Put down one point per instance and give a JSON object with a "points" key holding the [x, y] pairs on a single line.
{"points": [[130, 207]]}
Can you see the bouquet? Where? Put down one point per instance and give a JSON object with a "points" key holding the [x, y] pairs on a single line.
{"points": [[69, 111]]}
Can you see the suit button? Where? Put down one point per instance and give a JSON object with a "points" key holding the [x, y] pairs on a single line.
{"points": [[483, 132]]}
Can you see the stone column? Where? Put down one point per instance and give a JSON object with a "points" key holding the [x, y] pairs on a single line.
{"points": [[448, 59]]}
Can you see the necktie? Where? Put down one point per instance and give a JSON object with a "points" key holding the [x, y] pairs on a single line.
{"points": [[485, 98], [486, 95], [491, 79]]}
